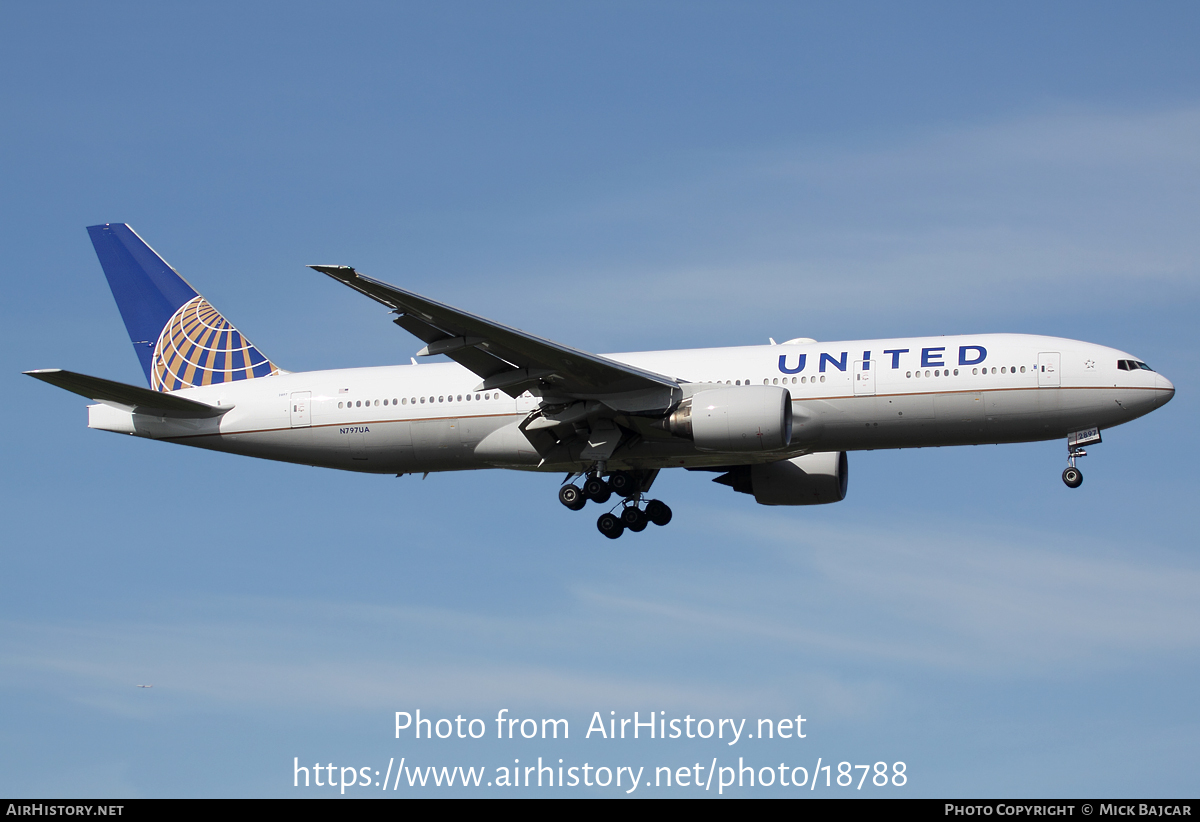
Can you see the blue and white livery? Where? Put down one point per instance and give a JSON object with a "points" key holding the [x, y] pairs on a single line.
{"points": [[774, 421]]}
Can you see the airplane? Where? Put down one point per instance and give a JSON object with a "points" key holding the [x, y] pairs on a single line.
{"points": [[774, 421]]}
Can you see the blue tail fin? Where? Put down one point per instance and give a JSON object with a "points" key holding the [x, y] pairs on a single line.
{"points": [[180, 339]]}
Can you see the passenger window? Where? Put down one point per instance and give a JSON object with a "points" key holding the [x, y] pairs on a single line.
{"points": [[956, 372], [476, 396], [822, 378], [908, 374], [376, 403], [339, 405], [1022, 369]]}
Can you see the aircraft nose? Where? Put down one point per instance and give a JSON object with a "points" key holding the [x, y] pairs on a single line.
{"points": [[1164, 390]]}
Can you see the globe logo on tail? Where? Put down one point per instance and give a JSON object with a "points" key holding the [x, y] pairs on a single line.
{"points": [[198, 346]]}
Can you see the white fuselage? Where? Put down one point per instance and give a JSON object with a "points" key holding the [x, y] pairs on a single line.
{"points": [[846, 396]]}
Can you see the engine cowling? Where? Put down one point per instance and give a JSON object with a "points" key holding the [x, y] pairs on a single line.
{"points": [[813, 479], [746, 418]]}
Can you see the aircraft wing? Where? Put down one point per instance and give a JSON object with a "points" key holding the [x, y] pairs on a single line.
{"points": [[128, 397], [506, 358]]}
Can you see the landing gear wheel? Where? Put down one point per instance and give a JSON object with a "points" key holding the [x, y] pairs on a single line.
{"points": [[572, 497], [634, 519], [1073, 477], [658, 512], [623, 484], [597, 490], [610, 525]]}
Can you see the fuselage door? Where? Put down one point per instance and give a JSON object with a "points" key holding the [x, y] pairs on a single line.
{"points": [[864, 377], [1048, 362], [301, 409]]}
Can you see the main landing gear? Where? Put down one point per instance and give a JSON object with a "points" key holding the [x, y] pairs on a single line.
{"points": [[632, 513]]}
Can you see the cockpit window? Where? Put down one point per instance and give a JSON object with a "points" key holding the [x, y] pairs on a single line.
{"points": [[1132, 365]]}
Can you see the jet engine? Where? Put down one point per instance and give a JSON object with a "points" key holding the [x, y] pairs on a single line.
{"points": [[813, 479], [746, 418]]}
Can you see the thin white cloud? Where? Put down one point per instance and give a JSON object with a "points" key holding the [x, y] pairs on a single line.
{"points": [[987, 220], [818, 600]]}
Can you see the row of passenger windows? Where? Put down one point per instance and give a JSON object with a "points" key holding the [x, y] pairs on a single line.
{"points": [[416, 400], [1010, 369], [775, 381], [936, 372], [946, 372]]}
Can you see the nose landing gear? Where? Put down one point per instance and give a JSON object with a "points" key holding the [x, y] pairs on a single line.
{"points": [[1072, 476]]}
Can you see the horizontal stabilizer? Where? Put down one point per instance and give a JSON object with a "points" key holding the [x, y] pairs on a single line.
{"points": [[128, 397]]}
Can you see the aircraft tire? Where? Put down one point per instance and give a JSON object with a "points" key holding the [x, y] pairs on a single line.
{"points": [[597, 490], [634, 519], [572, 497], [623, 484], [658, 512], [1073, 477], [610, 525]]}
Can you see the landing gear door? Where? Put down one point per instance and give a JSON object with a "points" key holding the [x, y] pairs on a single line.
{"points": [[864, 377], [1048, 362], [301, 405]]}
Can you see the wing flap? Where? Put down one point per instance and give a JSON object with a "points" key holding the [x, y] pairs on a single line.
{"points": [[128, 397], [475, 360]]}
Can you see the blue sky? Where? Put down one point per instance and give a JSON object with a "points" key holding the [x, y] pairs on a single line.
{"points": [[616, 177]]}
